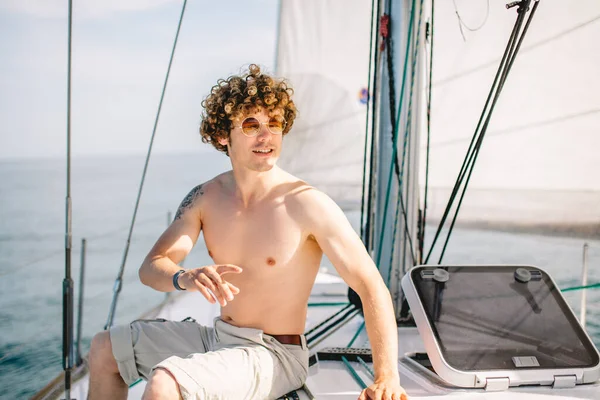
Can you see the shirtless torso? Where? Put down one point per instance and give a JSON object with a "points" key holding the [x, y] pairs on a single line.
{"points": [[278, 257], [266, 232]]}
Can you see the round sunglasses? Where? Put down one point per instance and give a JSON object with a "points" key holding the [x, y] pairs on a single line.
{"points": [[251, 126]]}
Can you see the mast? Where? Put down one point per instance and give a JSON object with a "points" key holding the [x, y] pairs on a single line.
{"points": [[395, 224]]}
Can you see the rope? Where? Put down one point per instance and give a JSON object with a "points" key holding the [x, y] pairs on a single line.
{"points": [[574, 288], [407, 130], [477, 139], [367, 130], [367, 367], [524, 50], [358, 331], [327, 320], [369, 223], [327, 304], [394, 145], [461, 23], [385, 22], [405, 144], [353, 373], [118, 281], [523, 7]]}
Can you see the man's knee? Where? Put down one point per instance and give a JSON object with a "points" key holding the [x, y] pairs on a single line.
{"points": [[101, 355], [161, 384]]}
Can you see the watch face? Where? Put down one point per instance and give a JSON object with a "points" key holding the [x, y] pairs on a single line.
{"points": [[490, 318]]}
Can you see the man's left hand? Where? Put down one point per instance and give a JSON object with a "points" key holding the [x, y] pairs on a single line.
{"points": [[388, 389]]}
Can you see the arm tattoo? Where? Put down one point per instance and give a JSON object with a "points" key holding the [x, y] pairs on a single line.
{"points": [[188, 201]]}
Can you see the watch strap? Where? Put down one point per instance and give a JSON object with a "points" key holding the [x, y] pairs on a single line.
{"points": [[176, 278]]}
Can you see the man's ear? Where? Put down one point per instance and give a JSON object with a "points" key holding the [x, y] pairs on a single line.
{"points": [[223, 141]]}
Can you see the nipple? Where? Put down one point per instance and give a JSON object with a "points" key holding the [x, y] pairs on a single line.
{"points": [[271, 261], [210, 254]]}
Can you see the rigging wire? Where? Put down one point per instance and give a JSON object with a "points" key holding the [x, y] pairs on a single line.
{"points": [[514, 43], [400, 206], [407, 129], [370, 99], [477, 136], [370, 216], [462, 23], [57, 313], [523, 50], [523, 127], [32, 262], [46, 256], [430, 75], [119, 280], [476, 139], [394, 146], [523, 8], [399, 174]]}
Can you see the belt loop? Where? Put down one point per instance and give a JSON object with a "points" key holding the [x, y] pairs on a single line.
{"points": [[216, 330]]}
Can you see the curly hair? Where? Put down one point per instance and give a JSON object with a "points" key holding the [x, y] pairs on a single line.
{"points": [[240, 95]]}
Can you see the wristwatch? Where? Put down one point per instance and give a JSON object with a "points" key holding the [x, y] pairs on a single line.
{"points": [[175, 279]]}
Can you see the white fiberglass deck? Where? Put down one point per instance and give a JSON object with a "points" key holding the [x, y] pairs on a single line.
{"points": [[331, 379]]}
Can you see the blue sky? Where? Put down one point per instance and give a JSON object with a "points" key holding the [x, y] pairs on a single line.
{"points": [[120, 56]]}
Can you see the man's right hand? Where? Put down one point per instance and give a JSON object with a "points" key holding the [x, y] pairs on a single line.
{"points": [[209, 281]]}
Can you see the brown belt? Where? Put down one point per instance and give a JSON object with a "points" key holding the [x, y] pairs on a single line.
{"points": [[288, 339]]}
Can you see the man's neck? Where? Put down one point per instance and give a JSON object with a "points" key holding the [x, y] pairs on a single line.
{"points": [[251, 186]]}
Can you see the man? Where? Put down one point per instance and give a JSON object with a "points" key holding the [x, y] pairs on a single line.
{"points": [[266, 232]]}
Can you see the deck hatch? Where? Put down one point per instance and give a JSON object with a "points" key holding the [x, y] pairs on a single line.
{"points": [[498, 321]]}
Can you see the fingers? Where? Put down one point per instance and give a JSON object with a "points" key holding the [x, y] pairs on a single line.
{"points": [[377, 392], [368, 393], [209, 282], [363, 395], [228, 269], [222, 290], [234, 289], [205, 292]]}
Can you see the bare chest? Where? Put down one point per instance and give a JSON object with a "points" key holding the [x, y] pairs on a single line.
{"points": [[265, 237]]}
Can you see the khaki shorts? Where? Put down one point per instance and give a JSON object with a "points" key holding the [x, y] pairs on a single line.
{"points": [[220, 362]]}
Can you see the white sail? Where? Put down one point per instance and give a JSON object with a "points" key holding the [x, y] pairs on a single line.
{"points": [[539, 162], [323, 50]]}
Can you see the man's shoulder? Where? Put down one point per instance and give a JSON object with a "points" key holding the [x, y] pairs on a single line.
{"points": [[214, 185], [200, 193], [307, 199]]}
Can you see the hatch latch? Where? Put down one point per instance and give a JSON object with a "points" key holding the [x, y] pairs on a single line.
{"points": [[564, 381], [496, 384]]}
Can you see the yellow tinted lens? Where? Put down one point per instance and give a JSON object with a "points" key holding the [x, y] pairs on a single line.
{"points": [[276, 124], [250, 126]]}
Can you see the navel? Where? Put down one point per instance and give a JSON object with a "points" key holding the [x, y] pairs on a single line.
{"points": [[271, 261]]}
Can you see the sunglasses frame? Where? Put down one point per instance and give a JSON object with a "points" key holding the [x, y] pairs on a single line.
{"points": [[260, 123]]}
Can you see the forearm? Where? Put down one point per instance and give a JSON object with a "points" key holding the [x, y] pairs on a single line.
{"points": [[158, 273], [381, 329]]}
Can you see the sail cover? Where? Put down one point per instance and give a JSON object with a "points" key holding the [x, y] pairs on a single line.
{"points": [[539, 162], [323, 51]]}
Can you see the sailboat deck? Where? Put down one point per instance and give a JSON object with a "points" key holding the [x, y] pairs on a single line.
{"points": [[332, 379]]}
